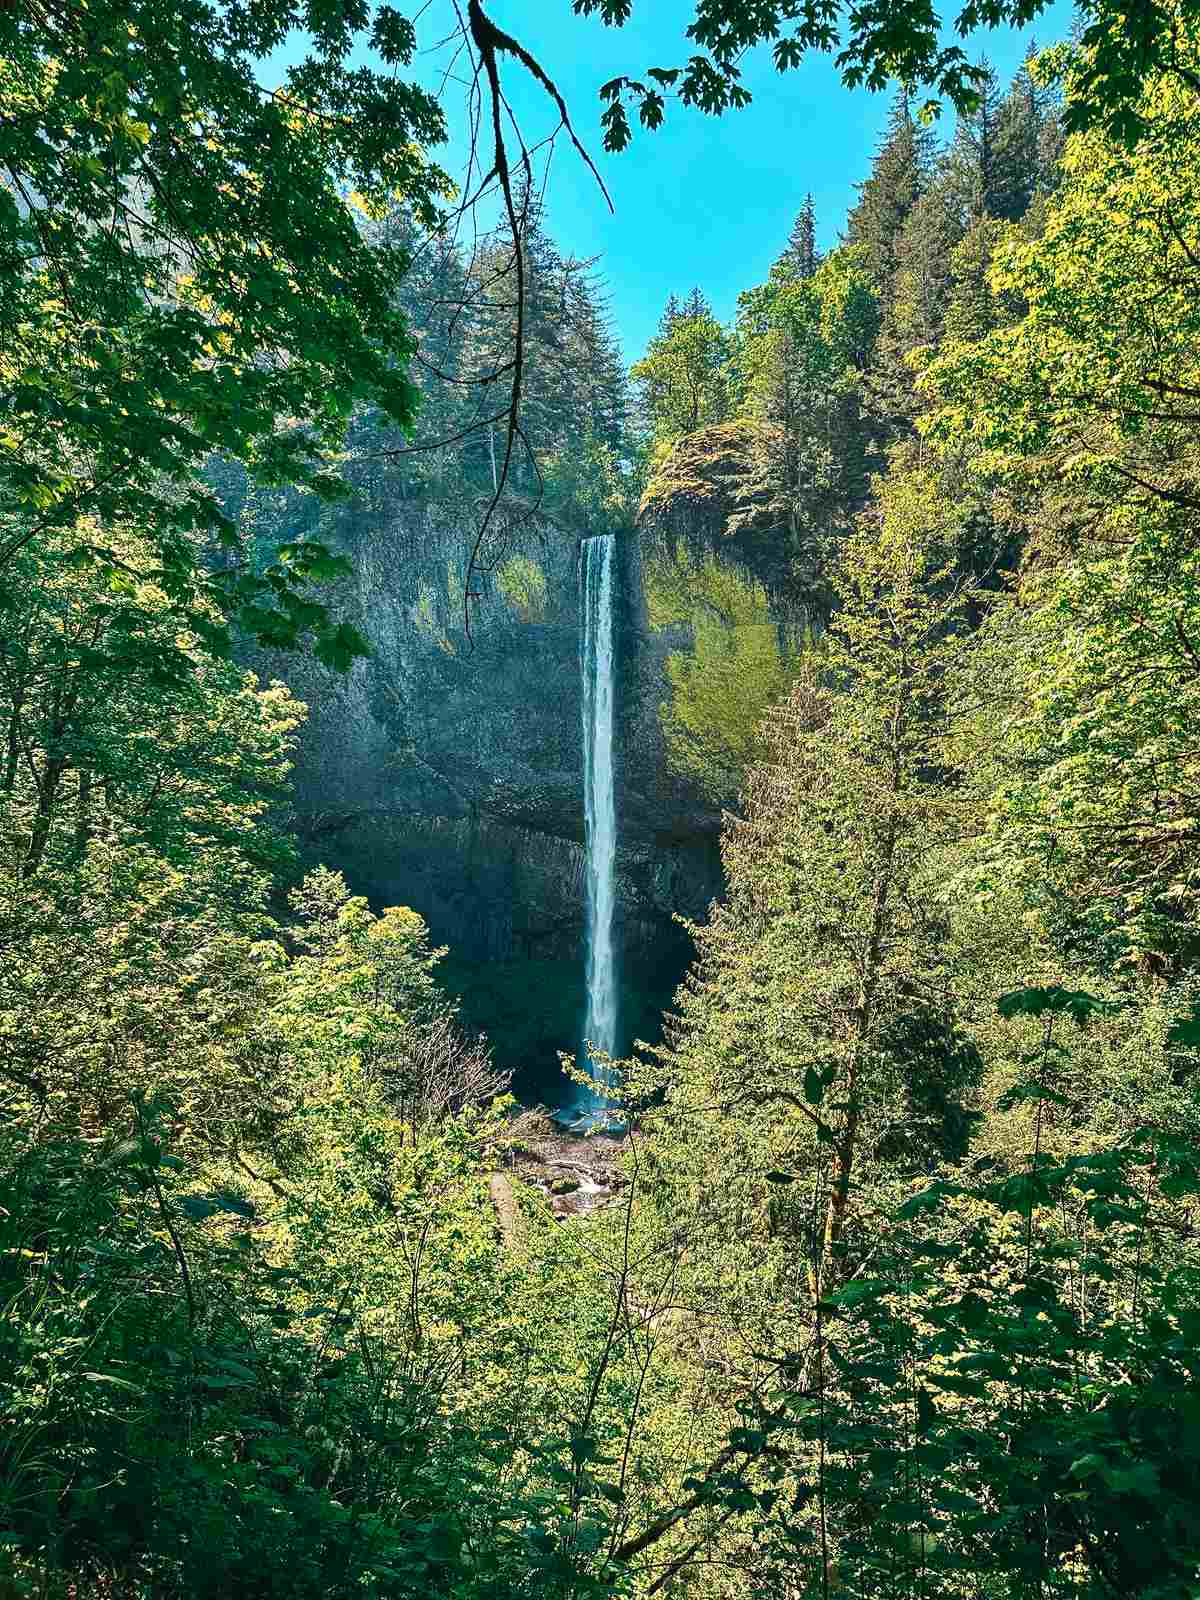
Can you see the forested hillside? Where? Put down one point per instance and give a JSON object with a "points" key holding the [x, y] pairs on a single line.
{"points": [[891, 1288]]}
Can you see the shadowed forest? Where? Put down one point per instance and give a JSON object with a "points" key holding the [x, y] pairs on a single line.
{"points": [[873, 1270]]}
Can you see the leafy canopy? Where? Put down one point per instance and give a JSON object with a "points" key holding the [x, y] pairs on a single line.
{"points": [[182, 273], [890, 41]]}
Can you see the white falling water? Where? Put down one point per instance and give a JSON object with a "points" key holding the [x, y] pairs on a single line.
{"points": [[600, 813]]}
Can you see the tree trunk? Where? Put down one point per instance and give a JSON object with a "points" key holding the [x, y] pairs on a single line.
{"points": [[13, 753], [48, 787], [844, 1150], [83, 814]]}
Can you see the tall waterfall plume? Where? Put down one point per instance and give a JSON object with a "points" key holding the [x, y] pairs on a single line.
{"points": [[600, 812]]}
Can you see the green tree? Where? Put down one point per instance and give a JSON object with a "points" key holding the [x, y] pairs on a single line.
{"points": [[802, 256], [682, 378], [899, 174], [1028, 142], [802, 346], [117, 725], [973, 162], [975, 309], [818, 974], [1080, 411], [915, 317], [185, 275]]}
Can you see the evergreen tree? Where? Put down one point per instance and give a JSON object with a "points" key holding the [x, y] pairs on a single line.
{"points": [[975, 309], [433, 295], [684, 377], [696, 305], [573, 380], [972, 163], [801, 258], [898, 177], [819, 1023], [803, 345], [1003, 152], [914, 317], [1028, 143]]}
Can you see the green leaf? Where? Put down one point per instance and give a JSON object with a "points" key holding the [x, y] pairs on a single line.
{"points": [[1029, 1091], [926, 1410], [115, 1382], [862, 1289], [199, 1207], [928, 1200], [1075, 1003]]}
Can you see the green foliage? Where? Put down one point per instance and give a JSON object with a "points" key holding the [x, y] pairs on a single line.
{"points": [[523, 584], [118, 725], [901, 1297], [183, 276], [893, 43], [925, 1120], [245, 1256], [588, 488], [682, 377], [1083, 399], [738, 664], [801, 346]]}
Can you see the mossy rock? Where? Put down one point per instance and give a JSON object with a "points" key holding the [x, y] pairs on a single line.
{"points": [[564, 1186]]}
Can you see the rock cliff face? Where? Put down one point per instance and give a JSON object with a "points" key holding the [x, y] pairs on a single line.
{"points": [[445, 773]]}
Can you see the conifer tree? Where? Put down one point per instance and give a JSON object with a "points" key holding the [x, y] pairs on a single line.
{"points": [[803, 345], [898, 177], [683, 377], [573, 381], [801, 257], [1028, 143], [1005, 151], [818, 1026], [914, 316], [973, 164], [696, 304], [975, 309]]}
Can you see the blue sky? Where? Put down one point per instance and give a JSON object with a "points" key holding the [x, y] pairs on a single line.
{"points": [[703, 200]]}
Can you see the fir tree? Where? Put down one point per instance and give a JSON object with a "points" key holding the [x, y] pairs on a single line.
{"points": [[793, 1054], [916, 309], [684, 376], [898, 177], [973, 165], [573, 381], [801, 258], [975, 310]]}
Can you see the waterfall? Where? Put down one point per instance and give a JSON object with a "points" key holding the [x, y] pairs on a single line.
{"points": [[600, 812]]}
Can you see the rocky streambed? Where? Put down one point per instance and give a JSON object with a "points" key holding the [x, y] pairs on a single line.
{"points": [[578, 1174]]}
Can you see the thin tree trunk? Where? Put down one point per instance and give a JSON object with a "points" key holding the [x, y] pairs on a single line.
{"points": [[13, 753], [48, 787], [83, 815], [845, 1149]]}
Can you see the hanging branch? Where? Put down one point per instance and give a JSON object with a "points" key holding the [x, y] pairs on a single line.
{"points": [[490, 43]]}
